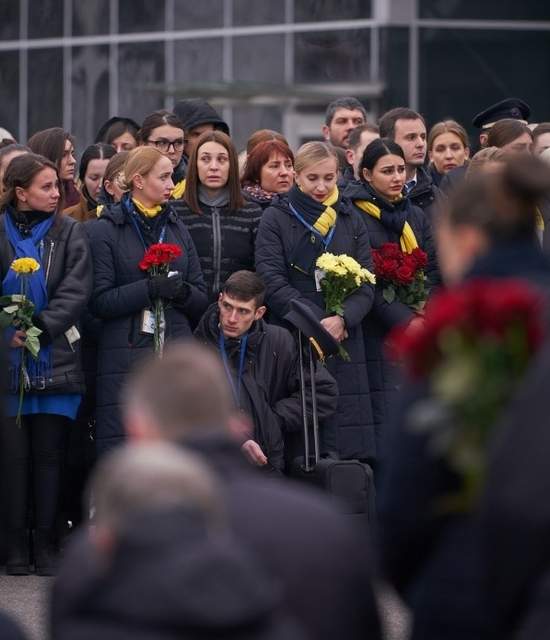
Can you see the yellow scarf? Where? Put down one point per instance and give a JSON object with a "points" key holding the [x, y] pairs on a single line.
{"points": [[408, 239], [178, 190], [99, 210], [327, 219], [149, 212], [539, 220]]}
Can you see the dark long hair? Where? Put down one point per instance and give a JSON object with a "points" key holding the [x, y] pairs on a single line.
{"points": [[50, 143], [377, 149], [191, 195], [20, 172]]}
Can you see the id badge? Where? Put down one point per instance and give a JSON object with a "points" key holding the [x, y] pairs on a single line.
{"points": [[72, 335], [147, 322], [319, 275]]}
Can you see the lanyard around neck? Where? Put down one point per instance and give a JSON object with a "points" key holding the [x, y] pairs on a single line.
{"points": [[326, 240], [162, 235], [242, 358]]}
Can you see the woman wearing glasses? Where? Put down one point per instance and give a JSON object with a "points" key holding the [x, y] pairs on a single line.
{"points": [[164, 131]]}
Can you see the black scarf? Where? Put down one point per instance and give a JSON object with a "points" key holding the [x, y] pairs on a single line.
{"points": [[150, 228], [310, 245]]}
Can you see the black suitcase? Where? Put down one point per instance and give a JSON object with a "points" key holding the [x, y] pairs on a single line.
{"points": [[349, 482]]}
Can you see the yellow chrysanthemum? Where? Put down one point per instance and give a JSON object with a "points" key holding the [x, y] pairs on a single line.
{"points": [[367, 276], [350, 264], [326, 261], [25, 265]]}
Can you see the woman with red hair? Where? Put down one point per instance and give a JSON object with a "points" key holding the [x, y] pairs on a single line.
{"points": [[269, 170]]}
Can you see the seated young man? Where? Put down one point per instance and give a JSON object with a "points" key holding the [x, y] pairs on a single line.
{"points": [[261, 364]]}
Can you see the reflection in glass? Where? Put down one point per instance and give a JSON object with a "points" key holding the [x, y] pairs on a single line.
{"points": [[140, 65], [45, 89], [9, 81], [45, 18], [90, 18]]}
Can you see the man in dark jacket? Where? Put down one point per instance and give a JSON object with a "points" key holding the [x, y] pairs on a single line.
{"points": [[260, 362], [408, 129], [312, 551]]}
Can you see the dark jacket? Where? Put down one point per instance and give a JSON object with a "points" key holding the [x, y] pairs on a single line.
{"points": [[271, 385], [69, 283], [9, 630], [170, 577], [120, 295], [425, 194], [278, 522], [224, 240], [439, 561], [452, 179], [350, 433], [383, 374]]}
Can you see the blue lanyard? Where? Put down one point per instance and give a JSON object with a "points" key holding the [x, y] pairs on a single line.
{"points": [[136, 226], [225, 360], [326, 240]]}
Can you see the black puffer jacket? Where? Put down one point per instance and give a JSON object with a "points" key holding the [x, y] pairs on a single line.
{"points": [[271, 384], [383, 375], [224, 240], [69, 283], [350, 433], [121, 294], [425, 194]]}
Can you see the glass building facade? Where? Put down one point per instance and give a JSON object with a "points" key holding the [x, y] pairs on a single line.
{"points": [[266, 64]]}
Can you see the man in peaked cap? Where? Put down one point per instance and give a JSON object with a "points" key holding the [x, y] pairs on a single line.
{"points": [[484, 120], [510, 108], [260, 361]]}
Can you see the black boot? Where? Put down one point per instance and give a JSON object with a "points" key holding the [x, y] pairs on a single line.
{"points": [[17, 562], [45, 553]]}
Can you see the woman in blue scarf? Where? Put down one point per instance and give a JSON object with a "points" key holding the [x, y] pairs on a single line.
{"points": [[31, 227]]}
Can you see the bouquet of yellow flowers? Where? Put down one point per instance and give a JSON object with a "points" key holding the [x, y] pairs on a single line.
{"points": [[339, 277], [16, 311]]}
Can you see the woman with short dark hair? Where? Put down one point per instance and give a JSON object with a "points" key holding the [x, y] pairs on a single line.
{"points": [[269, 170], [223, 226], [90, 174]]}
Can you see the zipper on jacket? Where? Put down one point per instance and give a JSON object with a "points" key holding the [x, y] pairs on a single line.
{"points": [[50, 258], [217, 249]]}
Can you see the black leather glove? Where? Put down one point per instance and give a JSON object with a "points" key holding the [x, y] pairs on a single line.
{"points": [[165, 287]]}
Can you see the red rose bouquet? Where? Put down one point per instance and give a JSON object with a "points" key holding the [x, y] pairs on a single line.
{"points": [[472, 349], [401, 274], [156, 261]]}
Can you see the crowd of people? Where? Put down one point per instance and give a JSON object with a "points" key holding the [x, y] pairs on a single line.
{"points": [[244, 232]]}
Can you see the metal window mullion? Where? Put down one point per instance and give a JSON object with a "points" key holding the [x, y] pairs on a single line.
{"points": [[113, 58], [67, 66], [23, 71], [227, 56], [414, 58], [169, 52]]}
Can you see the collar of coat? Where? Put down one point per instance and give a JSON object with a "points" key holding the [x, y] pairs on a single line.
{"points": [[116, 215]]}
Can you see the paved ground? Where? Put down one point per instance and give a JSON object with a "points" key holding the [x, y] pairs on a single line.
{"points": [[25, 598]]}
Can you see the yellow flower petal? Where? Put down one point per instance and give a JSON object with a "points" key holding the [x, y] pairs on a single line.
{"points": [[25, 265]]}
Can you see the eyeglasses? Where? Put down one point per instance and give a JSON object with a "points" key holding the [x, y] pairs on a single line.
{"points": [[162, 144]]}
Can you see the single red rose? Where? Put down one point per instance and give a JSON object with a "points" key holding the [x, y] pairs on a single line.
{"points": [[405, 274], [420, 258]]}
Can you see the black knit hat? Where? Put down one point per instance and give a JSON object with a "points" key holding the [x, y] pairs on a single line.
{"points": [[197, 111], [303, 318]]}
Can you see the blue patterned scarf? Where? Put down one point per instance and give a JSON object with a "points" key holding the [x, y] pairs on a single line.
{"points": [[28, 246]]}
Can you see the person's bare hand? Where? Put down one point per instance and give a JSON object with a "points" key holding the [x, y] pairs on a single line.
{"points": [[254, 453], [18, 339], [336, 326]]}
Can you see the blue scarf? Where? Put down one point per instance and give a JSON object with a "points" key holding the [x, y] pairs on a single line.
{"points": [[28, 247]]}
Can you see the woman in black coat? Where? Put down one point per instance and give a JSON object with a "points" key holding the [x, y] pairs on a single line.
{"points": [[463, 577], [385, 212], [293, 233], [223, 226], [123, 293], [32, 227]]}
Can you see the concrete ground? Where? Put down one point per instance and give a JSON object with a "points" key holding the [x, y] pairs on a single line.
{"points": [[26, 599]]}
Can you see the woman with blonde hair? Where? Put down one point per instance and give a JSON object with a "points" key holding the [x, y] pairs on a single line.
{"points": [[294, 231], [448, 148], [124, 293]]}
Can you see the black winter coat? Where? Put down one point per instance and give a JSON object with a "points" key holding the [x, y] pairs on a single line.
{"points": [[69, 283], [425, 194], [383, 374], [272, 386], [224, 240], [280, 523], [439, 562], [120, 295], [351, 432]]}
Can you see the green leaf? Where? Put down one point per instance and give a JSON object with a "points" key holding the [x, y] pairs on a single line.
{"points": [[5, 320], [33, 332], [388, 294], [33, 345]]}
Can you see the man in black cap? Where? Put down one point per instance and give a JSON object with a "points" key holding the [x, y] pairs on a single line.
{"points": [[197, 117], [509, 108], [260, 361]]}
